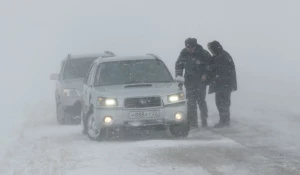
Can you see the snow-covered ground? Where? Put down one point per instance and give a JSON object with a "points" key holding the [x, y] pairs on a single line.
{"points": [[259, 141]]}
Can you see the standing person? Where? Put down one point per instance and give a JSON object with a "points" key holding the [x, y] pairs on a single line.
{"points": [[194, 60], [223, 81]]}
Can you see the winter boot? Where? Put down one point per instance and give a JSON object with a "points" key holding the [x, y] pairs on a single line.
{"points": [[204, 120], [204, 123], [222, 123]]}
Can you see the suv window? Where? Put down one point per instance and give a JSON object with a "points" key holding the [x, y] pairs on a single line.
{"points": [[77, 68], [133, 71]]}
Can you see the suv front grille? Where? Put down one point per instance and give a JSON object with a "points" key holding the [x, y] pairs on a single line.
{"points": [[144, 102]]}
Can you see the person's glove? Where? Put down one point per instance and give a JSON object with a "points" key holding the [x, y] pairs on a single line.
{"points": [[179, 79]]}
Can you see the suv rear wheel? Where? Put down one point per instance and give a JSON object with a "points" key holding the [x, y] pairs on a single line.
{"points": [[60, 114]]}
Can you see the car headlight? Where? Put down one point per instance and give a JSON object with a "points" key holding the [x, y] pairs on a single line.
{"points": [[107, 101], [71, 93], [174, 98]]}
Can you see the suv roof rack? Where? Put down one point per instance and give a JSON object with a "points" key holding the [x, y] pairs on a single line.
{"points": [[155, 56], [103, 54]]}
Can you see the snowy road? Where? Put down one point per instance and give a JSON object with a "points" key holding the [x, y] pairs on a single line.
{"points": [[242, 149]]}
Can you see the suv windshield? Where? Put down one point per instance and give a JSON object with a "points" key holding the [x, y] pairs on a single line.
{"points": [[130, 72], [77, 68]]}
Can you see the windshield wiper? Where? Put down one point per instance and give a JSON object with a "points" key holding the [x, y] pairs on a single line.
{"points": [[133, 82], [166, 81]]}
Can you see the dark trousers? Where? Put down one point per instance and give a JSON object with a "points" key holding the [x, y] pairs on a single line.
{"points": [[223, 103], [196, 94]]}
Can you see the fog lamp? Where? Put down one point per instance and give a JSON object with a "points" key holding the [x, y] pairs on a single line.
{"points": [[107, 119], [178, 116]]}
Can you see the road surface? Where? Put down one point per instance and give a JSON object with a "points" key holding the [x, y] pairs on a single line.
{"points": [[248, 147]]}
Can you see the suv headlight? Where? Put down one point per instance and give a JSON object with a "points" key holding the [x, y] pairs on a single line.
{"points": [[71, 93], [102, 101], [174, 98]]}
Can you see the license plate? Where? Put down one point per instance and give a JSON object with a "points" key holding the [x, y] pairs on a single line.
{"points": [[144, 114]]}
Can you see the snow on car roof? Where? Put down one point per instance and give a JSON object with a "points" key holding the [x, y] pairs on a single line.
{"points": [[88, 56], [95, 55], [127, 58]]}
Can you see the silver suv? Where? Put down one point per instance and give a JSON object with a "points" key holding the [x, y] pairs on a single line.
{"points": [[69, 86], [131, 92]]}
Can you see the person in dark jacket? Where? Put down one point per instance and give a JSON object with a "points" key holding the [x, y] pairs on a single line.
{"points": [[194, 60], [223, 81]]}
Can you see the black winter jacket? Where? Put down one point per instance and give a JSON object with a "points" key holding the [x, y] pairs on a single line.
{"points": [[195, 65], [222, 72]]}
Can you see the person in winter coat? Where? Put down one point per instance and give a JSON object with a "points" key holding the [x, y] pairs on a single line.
{"points": [[223, 81], [194, 60]]}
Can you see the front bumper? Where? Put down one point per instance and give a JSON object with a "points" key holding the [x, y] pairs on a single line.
{"points": [[70, 101], [120, 116], [72, 106]]}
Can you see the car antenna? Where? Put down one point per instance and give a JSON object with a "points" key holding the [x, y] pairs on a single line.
{"points": [[109, 52]]}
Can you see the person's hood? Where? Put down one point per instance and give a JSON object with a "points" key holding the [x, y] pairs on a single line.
{"points": [[215, 47]]}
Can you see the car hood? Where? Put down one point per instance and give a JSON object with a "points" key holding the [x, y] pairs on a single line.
{"points": [[136, 90], [75, 83]]}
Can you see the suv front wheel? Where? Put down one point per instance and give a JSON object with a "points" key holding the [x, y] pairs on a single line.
{"points": [[92, 131], [180, 130]]}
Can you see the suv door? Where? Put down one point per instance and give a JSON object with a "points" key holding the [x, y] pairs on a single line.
{"points": [[86, 88]]}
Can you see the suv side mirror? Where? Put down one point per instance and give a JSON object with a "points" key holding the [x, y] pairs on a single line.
{"points": [[54, 76]]}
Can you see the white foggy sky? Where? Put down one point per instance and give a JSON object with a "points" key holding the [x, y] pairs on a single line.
{"points": [[262, 36]]}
